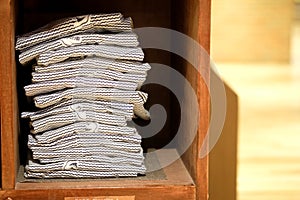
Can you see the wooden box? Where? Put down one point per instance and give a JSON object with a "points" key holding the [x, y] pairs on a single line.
{"points": [[186, 178]]}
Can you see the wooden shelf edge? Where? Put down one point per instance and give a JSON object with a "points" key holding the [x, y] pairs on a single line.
{"points": [[157, 193]]}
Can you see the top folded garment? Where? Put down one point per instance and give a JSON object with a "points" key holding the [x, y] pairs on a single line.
{"points": [[81, 24], [127, 39]]}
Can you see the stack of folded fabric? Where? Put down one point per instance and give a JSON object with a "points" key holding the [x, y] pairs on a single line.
{"points": [[85, 85]]}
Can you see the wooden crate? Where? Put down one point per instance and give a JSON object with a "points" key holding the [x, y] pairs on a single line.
{"points": [[187, 178]]}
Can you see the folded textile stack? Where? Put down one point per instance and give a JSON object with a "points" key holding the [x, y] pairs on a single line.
{"points": [[85, 86]]}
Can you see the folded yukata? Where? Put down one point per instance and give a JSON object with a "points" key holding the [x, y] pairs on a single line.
{"points": [[86, 23], [127, 39], [97, 63], [87, 75]]}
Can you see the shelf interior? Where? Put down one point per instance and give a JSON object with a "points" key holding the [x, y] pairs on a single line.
{"points": [[190, 17]]}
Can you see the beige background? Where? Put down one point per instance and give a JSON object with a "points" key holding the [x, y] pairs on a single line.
{"points": [[251, 30]]}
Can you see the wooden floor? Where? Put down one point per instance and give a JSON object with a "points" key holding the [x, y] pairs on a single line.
{"points": [[269, 127]]}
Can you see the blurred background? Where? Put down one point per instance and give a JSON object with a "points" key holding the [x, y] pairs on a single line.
{"points": [[255, 45]]}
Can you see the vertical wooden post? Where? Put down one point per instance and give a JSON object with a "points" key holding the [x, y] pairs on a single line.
{"points": [[9, 127]]}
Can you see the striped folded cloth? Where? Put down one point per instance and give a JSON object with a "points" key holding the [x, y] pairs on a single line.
{"points": [[85, 152], [89, 130], [112, 52], [97, 166], [120, 106], [81, 24], [100, 158], [76, 141], [78, 107], [80, 174], [76, 82], [92, 93], [74, 146], [127, 39], [106, 74], [87, 135], [58, 120], [138, 161], [138, 98], [97, 63]]}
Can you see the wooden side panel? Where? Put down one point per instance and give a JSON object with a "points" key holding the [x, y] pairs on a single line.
{"points": [[194, 21], [204, 98], [186, 21], [9, 128], [223, 157]]}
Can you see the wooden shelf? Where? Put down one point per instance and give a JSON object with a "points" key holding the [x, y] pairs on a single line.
{"points": [[187, 178]]}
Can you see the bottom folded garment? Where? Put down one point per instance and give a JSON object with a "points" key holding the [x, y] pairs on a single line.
{"points": [[79, 174], [83, 169], [79, 165]]}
